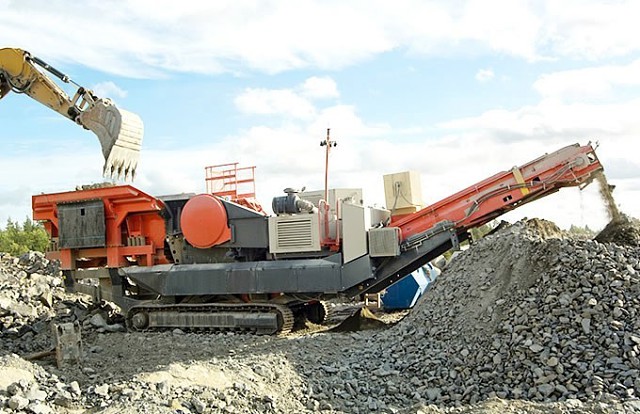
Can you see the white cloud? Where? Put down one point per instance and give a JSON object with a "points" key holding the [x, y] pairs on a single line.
{"points": [[345, 122], [510, 27], [485, 75], [551, 120], [590, 29], [588, 83], [295, 102], [109, 90], [320, 87], [274, 101], [151, 38]]}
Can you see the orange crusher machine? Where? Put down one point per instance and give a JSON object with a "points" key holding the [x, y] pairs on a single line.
{"points": [[217, 261]]}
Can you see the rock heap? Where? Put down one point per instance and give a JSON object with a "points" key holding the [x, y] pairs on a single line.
{"points": [[31, 293], [26, 387], [518, 316], [623, 230]]}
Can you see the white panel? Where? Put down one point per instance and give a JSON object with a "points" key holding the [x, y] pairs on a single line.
{"points": [[410, 190], [355, 222], [384, 242], [379, 215], [294, 233]]}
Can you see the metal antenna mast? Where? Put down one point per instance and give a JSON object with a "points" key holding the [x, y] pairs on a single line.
{"points": [[328, 144]]}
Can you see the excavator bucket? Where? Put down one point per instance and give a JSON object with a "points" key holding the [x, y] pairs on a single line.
{"points": [[120, 134]]}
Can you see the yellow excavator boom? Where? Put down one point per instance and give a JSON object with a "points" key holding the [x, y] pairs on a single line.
{"points": [[119, 132]]}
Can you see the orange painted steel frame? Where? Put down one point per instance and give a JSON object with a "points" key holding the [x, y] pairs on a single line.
{"points": [[484, 201], [129, 213]]}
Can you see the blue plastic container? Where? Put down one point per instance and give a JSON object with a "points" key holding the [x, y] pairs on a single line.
{"points": [[405, 292]]}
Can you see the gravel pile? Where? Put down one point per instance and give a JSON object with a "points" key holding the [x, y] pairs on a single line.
{"points": [[623, 230], [524, 314], [25, 387], [31, 293], [32, 298]]}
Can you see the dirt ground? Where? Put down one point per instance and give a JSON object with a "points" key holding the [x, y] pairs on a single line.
{"points": [[142, 364]]}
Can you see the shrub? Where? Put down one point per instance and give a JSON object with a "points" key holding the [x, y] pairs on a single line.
{"points": [[17, 239]]}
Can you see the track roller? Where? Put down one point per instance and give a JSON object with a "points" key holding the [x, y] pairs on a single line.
{"points": [[316, 312]]}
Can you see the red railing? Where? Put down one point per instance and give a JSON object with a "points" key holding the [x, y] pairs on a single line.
{"points": [[233, 183]]}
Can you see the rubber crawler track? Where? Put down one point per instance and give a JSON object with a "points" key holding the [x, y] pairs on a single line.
{"points": [[286, 318]]}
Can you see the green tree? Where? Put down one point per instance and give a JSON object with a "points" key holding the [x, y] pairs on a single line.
{"points": [[17, 239], [476, 234], [581, 232], [479, 232]]}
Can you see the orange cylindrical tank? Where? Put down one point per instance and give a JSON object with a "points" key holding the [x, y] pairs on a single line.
{"points": [[204, 222]]}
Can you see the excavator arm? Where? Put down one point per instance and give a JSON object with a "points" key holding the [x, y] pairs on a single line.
{"points": [[119, 131]]}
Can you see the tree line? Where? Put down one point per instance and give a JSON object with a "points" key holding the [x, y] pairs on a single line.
{"points": [[17, 239]]}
